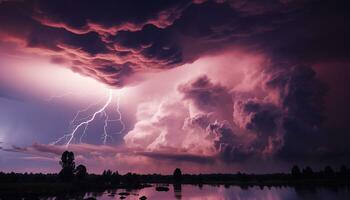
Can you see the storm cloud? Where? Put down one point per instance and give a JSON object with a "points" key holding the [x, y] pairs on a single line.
{"points": [[271, 108], [278, 115], [115, 41]]}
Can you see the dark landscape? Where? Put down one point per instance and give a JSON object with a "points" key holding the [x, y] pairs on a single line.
{"points": [[76, 182]]}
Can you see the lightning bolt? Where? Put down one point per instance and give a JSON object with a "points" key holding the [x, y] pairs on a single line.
{"points": [[82, 111], [119, 119], [105, 133], [84, 122], [107, 120]]}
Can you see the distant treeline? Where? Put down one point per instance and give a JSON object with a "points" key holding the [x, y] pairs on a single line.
{"points": [[114, 178], [70, 174]]}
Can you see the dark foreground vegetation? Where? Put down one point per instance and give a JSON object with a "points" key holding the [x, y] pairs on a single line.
{"points": [[76, 181]]}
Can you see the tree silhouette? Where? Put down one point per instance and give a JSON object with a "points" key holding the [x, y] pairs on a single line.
{"points": [[296, 171], [67, 160], [308, 172], [107, 173], [68, 166], [81, 172], [328, 171], [344, 172], [107, 176], [177, 175]]}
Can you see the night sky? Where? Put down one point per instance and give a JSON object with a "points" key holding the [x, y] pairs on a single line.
{"points": [[148, 86]]}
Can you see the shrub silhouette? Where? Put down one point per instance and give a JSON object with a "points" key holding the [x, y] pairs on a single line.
{"points": [[81, 172]]}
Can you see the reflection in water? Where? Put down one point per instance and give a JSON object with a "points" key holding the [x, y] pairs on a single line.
{"points": [[208, 192], [177, 190]]}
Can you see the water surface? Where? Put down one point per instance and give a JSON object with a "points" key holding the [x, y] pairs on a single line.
{"points": [[208, 192]]}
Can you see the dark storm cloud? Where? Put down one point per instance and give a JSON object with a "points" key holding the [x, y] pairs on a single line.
{"points": [[108, 15], [290, 126], [293, 127], [263, 116], [58, 39], [208, 97], [302, 98], [111, 41], [263, 119], [205, 94], [153, 43], [317, 32], [84, 35], [227, 143]]}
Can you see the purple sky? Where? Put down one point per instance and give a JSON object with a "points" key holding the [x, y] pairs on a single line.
{"points": [[208, 86]]}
